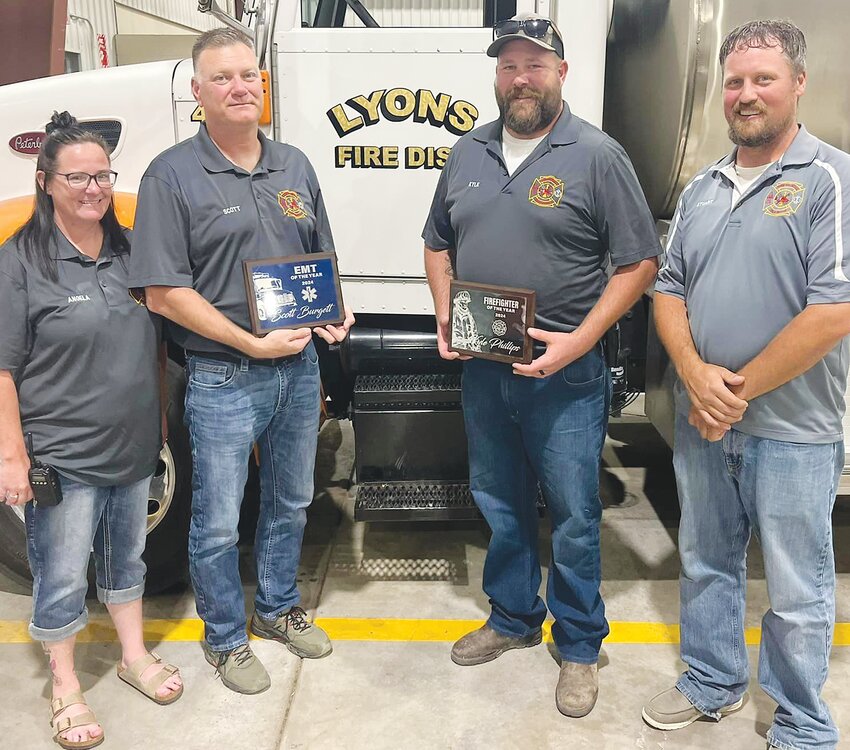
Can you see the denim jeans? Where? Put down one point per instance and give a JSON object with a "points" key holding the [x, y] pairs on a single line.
{"points": [[524, 431], [112, 521], [229, 407], [784, 492]]}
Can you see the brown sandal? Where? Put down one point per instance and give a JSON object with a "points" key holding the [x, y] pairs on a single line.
{"points": [[72, 722], [132, 675]]}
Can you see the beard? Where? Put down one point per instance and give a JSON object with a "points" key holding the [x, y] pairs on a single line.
{"points": [[537, 112], [768, 131]]}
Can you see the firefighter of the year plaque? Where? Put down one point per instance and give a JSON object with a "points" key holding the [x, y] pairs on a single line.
{"points": [[297, 291], [491, 322]]}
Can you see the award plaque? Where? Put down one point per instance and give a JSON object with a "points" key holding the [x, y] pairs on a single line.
{"points": [[298, 291], [491, 322]]}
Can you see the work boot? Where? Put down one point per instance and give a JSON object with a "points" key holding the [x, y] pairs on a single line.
{"points": [[292, 629], [485, 644], [672, 710], [577, 690], [239, 669]]}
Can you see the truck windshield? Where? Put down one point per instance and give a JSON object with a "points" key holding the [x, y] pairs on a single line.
{"points": [[404, 13]]}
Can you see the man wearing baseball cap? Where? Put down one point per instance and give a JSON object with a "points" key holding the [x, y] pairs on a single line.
{"points": [[543, 200]]}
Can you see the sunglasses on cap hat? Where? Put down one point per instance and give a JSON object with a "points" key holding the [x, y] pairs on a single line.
{"points": [[539, 30]]}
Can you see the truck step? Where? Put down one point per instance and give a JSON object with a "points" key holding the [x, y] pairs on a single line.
{"points": [[418, 501], [414, 501], [407, 391]]}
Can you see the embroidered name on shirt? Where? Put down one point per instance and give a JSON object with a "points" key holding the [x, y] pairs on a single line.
{"points": [[705, 203], [79, 298], [474, 184], [231, 210]]}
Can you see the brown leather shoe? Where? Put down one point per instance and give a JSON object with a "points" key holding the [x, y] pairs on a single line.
{"points": [[578, 688], [485, 644]]}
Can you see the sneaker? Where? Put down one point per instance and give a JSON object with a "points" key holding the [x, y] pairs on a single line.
{"points": [[293, 630], [672, 710], [577, 690], [485, 644], [239, 669]]}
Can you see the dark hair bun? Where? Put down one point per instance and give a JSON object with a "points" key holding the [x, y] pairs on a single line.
{"points": [[63, 121]]}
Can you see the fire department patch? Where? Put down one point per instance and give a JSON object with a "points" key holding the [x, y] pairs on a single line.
{"points": [[291, 204], [546, 191], [784, 199]]}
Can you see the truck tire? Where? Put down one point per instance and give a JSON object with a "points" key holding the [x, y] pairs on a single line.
{"points": [[169, 508], [170, 504]]}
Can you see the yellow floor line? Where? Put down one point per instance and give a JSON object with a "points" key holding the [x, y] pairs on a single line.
{"points": [[383, 630]]}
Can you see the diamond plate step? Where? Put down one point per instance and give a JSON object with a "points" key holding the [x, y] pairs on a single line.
{"points": [[407, 391], [400, 501], [418, 501]]}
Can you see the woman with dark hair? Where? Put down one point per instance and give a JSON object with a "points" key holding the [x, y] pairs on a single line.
{"points": [[79, 383]]}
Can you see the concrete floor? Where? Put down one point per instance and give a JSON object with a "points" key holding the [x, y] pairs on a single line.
{"points": [[388, 694]]}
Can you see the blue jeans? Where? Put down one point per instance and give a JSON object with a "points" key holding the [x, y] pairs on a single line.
{"points": [[523, 431], [112, 521], [229, 407], [784, 492]]}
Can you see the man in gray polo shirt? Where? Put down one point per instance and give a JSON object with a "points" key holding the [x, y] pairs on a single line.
{"points": [[753, 304], [227, 195], [540, 199]]}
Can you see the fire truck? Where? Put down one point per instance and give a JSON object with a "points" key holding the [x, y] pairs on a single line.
{"points": [[376, 93]]}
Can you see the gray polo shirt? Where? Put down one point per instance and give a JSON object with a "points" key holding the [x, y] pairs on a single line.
{"points": [[552, 225], [199, 216], [83, 355], [746, 271]]}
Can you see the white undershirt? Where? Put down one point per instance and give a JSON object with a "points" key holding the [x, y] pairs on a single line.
{"points": [[743, 178], [516, 150]]}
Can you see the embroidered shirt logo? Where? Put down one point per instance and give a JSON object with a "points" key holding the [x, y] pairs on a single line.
{"points": [[784, 198], [291, 204], [79, 298], [546, 191], [231, 210]]}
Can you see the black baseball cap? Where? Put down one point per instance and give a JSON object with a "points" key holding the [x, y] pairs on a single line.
{"points": [[528, 26]]}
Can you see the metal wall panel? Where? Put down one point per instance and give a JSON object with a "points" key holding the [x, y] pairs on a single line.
{"points": [[401, 13], [182, 12], [91, 31]]}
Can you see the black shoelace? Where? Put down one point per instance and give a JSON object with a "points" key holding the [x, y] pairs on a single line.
{"points": [[241, 654], [296, 619]]}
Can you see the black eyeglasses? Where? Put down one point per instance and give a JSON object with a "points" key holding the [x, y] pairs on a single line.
{"points": [[534, 28], [81, 180]]}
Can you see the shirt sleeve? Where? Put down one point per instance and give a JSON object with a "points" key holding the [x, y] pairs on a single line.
{"points": [[671, 275], [827, 261], [160, 252], [14, 312], [623, 218], [438, 232]]}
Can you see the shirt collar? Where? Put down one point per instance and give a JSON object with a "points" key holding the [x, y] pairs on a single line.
{"points": [[64, 249], [271, 160], [564, 132], [802, 151]]}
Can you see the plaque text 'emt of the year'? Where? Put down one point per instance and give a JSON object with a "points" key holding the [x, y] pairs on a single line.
{"points": [[297, 291]]}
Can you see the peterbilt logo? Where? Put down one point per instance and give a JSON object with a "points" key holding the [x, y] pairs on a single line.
{"points": [[27, 143]]}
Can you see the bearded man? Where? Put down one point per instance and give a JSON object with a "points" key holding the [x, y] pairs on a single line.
{"points": [[753, 306], [540, 199]]}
